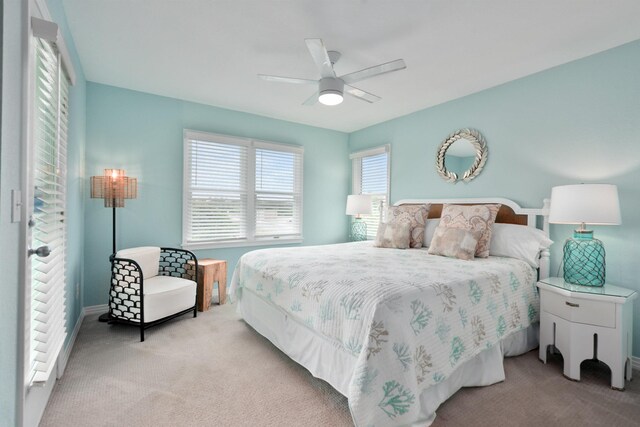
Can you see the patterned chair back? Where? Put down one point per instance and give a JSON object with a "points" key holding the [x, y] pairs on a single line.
{"points": [[148, 257]]}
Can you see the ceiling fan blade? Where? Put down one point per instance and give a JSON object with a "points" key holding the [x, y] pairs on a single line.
{"points": [[279, 79], [312, 100], [376, 70], [320, 57], [360, 94]]}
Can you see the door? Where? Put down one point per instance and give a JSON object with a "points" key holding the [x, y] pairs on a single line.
{"points": [[45, 231]]}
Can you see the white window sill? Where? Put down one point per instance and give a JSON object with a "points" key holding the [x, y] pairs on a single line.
{"points": [[244, 243]]}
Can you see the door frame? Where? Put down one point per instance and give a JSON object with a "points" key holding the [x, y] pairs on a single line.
{"points": [[25, 125]]}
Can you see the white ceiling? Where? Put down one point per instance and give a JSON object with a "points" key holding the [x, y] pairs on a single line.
{"points": [[209, 51]]}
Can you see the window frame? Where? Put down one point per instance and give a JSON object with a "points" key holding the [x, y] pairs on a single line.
{"points": [[356, 176], [250, 190]]}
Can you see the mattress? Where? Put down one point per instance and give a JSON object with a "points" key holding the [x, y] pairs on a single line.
{"points": [[393, 330]]}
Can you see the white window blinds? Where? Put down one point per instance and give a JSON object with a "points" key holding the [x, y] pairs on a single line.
{"points": [[240, 192], [217, 202], [278, 193], [371, 176], [48, 276]]}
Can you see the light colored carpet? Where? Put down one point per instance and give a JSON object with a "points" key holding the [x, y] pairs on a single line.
{"points": [[216, 371]]}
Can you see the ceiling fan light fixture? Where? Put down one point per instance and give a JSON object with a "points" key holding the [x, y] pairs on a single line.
{"points": [[331, 91], [330, 98]]}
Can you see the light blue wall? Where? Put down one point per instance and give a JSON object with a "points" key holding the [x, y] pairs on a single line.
{"points": [[142, 134], [574, 123]]}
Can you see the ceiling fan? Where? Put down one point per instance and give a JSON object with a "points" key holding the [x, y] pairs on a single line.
{"points": [[331, 87]]}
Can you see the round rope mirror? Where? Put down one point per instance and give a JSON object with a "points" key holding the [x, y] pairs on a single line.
{"points": [[461, 156]]}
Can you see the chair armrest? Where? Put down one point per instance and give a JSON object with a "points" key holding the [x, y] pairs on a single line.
{"points": [[178, 263], [125, 293]]}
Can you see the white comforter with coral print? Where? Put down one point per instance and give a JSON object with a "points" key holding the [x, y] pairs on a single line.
{"points": [[409, 318]]}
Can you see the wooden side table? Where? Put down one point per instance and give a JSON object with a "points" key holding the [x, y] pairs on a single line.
{"points": [[587, 323], [209, 271]]}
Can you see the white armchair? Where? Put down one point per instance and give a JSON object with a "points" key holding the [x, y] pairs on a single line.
{"points": [[150, 285]]}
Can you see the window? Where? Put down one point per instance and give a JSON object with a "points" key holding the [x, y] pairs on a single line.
{"points": [[240, 192], [46, 298], [371, 176]]}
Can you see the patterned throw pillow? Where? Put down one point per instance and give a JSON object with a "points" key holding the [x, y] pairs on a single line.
{"points": [[455, 243], [393, 235], [415, 215], [472, 218]]}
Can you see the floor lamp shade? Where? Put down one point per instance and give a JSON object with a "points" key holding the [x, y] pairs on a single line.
{"points": [[114, 187], [358, 204], [595, 204]]}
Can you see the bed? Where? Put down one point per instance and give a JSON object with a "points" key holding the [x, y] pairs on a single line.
{"points": [[395, 331]]}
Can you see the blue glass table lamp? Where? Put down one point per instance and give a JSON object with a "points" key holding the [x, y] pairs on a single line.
{"points": [[583, 256], [358, 204]]}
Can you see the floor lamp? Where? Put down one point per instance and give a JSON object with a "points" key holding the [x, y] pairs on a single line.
{"points": [[114, 186]]}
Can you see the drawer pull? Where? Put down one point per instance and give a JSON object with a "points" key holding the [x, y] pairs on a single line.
{"points": [[571, 304]]}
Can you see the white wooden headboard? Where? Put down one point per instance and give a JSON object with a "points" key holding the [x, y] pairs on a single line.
{"points": [[510, 213]]}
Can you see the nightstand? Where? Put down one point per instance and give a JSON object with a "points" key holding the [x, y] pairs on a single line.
{"points": [[210, 271], [585, 322]]}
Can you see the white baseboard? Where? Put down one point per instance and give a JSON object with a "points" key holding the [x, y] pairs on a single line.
{"points": [[64, 355], [635, 363], [95, 309]]}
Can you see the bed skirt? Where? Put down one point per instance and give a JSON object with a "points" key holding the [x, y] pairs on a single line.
{"points": [[334, 365]]}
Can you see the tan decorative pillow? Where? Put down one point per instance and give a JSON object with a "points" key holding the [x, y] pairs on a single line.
{"points": [[455, 243], [393, 235], [415, 215], [472, 218]]}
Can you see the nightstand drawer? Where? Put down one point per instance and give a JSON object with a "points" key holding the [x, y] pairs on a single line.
{"points": [[597, 313]]}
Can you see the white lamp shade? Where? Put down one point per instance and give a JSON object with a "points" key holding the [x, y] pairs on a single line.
{"points": [[358, 204], [595, 204]]}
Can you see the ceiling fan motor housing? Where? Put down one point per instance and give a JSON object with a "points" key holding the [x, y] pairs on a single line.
{"points": [[331, 85]]}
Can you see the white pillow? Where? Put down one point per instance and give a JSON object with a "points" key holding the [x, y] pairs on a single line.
{"points": [[429, 231], [148, 257], [518, 241]]}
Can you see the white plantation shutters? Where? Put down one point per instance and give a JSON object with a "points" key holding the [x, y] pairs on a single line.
{"points": [[239, 191], [47, 298], [371, 176]]}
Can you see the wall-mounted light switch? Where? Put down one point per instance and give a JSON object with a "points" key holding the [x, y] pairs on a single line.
{"points": [[16, 205]]}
